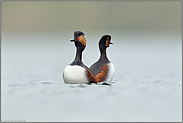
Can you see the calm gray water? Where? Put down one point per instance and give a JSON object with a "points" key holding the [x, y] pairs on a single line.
{"points": [[147, 82]]}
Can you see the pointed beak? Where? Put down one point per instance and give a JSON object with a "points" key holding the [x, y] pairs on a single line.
{"points": [[110, 43], [73, 40]]}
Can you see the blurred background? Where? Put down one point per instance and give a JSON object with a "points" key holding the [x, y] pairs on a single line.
{"points": [[91, 16], [146, 53]]}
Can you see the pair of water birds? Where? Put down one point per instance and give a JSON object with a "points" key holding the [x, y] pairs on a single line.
{"points": [[100, 71]]}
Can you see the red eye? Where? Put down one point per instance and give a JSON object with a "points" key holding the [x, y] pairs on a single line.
{"points": [[109, 41], [78, 38]]}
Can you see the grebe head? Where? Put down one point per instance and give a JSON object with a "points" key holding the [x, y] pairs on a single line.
{"points": [[79, 40], [105, 41]]}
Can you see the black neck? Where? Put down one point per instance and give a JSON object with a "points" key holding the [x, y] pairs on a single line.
{"points": [[103, 54], [78, 55]]}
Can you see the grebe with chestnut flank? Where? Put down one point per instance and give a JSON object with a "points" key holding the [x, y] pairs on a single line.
{"points": [[103, 69], [77, 72]]}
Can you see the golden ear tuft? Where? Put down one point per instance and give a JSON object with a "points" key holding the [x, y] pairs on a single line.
{"points": [[82, 40], [107, 42]]}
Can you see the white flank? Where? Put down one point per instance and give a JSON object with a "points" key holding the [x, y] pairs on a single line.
{"points": [[110, 73], [74, 74]]}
